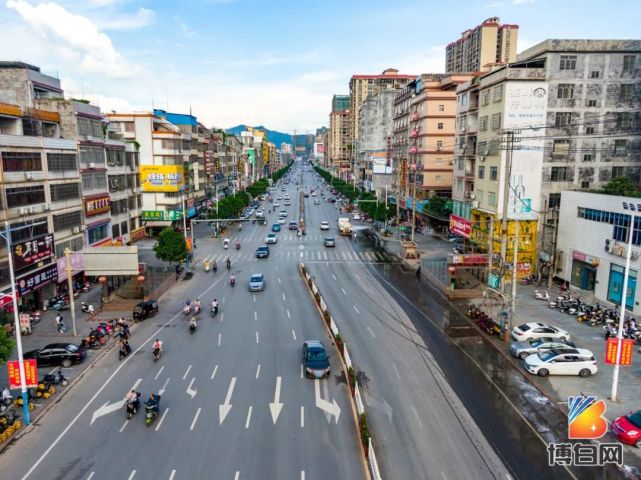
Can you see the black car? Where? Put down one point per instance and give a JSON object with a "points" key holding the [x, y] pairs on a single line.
{"points": [[315, 359], [54, 354], [293, 226], [145, 309], [262, 252]]}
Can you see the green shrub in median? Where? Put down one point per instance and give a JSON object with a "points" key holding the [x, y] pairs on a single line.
{"points": [[365, 435]]}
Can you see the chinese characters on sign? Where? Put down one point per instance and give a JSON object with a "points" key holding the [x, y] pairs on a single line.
{"points": [[460, 226], [96, 206], [161, 178], [30, 252], [30, 372], [36, 279], [137, 234], [627, 345], [161, 215], [584, 455]]}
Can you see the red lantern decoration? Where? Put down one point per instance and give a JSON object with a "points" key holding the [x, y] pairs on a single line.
{"points": [[141, 278], [102, 279]]}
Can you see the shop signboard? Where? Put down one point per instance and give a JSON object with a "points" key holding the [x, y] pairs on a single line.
{"points": [[97, 205], [161, 178], [460, 226], [137, 234], [36, 279], [627, 345], [30, 373], [161, 215], [583, 257], [468, 260], [77, 265], [30, 252]]}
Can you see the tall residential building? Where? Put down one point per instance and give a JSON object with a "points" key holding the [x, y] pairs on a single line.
{"points": [[400, 141], [482, 46], [339, 148], [340, 103]]}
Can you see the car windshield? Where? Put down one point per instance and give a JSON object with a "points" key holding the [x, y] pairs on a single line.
{"points": [[72, 348], [256, 278], [635, 419], [538, 343], [316, 355], [545, 356], [524, 328]]}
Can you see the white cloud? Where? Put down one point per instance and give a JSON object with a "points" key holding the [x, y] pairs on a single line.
{"points": [[128, 21], [185, 29], [517, 2], [73, 38], [427, 60]]}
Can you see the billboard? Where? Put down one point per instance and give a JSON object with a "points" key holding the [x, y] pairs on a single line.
{"points": [[36, 279], [111, 260], [77, 265], [30, 252], [97, 205], [161, 178], [379, 161], [460, 226], [30, 373]]}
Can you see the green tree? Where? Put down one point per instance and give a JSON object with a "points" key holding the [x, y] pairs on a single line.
{"points": [[7, 345], [621, 186], [439, 206], [171, 246]]}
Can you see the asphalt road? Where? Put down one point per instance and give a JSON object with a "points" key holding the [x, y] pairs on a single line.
{"points": [[234, 402]]}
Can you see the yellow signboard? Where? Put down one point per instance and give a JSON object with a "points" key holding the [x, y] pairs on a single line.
{"points": [[161, 178]]}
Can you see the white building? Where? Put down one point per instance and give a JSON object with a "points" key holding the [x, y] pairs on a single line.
{"points": [[592, 245]]}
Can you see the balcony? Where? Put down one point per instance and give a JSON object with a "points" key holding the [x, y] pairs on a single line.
{"points": [[414, 133], [37, 142], [412, 150], [415, 116]]}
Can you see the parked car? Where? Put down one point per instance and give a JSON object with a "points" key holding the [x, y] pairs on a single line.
{"points": [[324, 225], [356, 216], [523, 350], [275, 227], [627, 428], [315, 359], [263, 251], [256, 282], [54, 354], [276, 204], [329, 242], [577, 361], [271, 238], [293, 226], [532, 330]]}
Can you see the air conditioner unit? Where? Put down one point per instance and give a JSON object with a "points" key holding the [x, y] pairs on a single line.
{"points": [[23, 211], [28, 175], [89, 138], [83, 228], [75, 230], [475, 204], [91, 165], [46, 207]]}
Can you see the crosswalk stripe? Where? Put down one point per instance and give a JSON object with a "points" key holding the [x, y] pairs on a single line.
{"points": [[368, 257], [319, 255], [325, 255], [378, 256], [344, 256]]}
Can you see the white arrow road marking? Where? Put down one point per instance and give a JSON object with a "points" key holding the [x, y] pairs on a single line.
{"points": [[288, 315], [191, 392], [284, 299], [381, 405], [106, 408], [187, 372], [258, 371], [276, 406], [213, 374], [255, 315], [164, 387], [193, 422], [220, 338], [249, 416], [331, 408], [224, 409], [159, 372], [164, 414]]}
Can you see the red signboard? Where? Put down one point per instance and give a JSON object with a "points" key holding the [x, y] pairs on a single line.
{"points": [[30, 373], [627, 345], [460, 226], [96, 206], [30, 252], [469, 260]]}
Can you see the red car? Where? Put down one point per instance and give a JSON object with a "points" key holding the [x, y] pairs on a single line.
{"points": [[628, 428]]}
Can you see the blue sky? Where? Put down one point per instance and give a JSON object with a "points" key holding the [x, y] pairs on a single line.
{"points": [[267, 62]]}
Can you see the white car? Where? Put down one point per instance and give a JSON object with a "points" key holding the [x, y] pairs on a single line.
{"points": [[577, 361], [271, 238], [282, 213], [276, 204], [356, 216], [531, 330], [279, 197], [324, 226], [282, 220]]}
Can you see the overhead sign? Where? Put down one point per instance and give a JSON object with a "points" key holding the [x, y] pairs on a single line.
{"points": [[111, 260], [161, 215], [30, 252], [36, 279], [161, 178], [460, 226], [30, 373], [97, 205]]}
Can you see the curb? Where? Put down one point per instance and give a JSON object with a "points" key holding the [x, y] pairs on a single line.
{"points": [[345, 372]]}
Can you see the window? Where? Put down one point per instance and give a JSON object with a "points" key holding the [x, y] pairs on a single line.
{"points": [[67, 220], [92, 155], [595, 74], [18, 197], [483, 124], [170, 144], [64, 191], [496, 121], [562, 119], [624, 120], [124, 227], [491, 199], [62, 161], [498, 93], [481, 148], [560, 174], [35, 228], [561, 147], [21, 161], [566, 90], [439, 125], [587, 157], [479, 196], [626, 91], [115, 230], [585, 185], [620, 147], [617, 172], [441, 108], [481, 172], [590, 103], [89, 127], [554, 200], [98, 233], [94, 181], [628, 63], [485, 97], [494, 148], [589, 130], [115, 158], [439, 145], [568, 62]]}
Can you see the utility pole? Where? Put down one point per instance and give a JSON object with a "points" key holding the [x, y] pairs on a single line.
{"points": [[552, 271], [70, 288], [541, 240], [507, 171], [515, 260], [414, 202], [185, 228]]}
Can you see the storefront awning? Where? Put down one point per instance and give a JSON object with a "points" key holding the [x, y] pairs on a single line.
{"points": [[158, 223]]}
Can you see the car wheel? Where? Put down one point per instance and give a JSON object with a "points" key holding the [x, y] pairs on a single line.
{"points": [[565, 339], [66, 363], [637, 444], [523, 355], [544, 372], [585, 373]]}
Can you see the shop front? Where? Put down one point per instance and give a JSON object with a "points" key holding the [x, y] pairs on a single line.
{"points": [[36, 287], [77, 272], [615, 286], [584, 271]]}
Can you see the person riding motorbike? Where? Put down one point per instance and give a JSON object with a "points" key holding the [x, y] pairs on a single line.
{"points": [[214, 266], [228, 263], [240, 227], [214, 306], [237, 244], [232, 280], [156, 348], [197, 306], [206, 265], [193, 324], [125, 349], [153, 403], [133, 400]]}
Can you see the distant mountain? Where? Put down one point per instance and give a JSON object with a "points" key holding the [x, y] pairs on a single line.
{"points": [[272, 135]]}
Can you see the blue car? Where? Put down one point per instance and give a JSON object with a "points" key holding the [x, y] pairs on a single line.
{"points": [[315, 359], [275, 227]]}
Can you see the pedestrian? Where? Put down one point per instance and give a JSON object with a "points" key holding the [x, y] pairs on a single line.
{"points": [[418, 272], [60, 323]]}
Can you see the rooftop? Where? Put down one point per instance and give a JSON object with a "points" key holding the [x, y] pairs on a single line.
{"points": [[580, 46]]}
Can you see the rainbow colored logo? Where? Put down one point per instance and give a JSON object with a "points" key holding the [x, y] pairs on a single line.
{"points": [[585, 418]]}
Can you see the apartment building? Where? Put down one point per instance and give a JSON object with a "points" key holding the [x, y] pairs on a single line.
{"points": [[338, 142], [400, 141], [482, 46], [340, 103]]}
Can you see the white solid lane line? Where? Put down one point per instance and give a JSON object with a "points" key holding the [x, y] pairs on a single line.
{"points": [[249, 416], [302, 416], [213, 374], [133, 472], [288, 315], [159, 372], [302, 475], [257, 341], [220, 338], [193, 422], [173, 473], [293, 334], [91, 475], [237, 476], [164, 414], [370, 332], [258, 371], [356, 309], [187, 372], [255, 315], [343, 290], [123, 426]]}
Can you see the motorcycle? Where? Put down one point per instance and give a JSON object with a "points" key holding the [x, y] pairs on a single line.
{"points": [[6, 399], [192, 326], [232, 281], [132, 406], [215, 267], [186, 310], [196, 309], [214, 311], [228, 265], [123, 351], [56, 379], [238, 246], [157, 353], [151, 412], [542, 296], [206, 267]]}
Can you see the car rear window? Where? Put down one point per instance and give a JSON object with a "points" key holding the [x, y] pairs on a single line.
{"points": [[524, 328], [72, 348], [635, 419]]}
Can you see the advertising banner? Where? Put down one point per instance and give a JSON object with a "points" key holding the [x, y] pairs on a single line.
{"points": [[36, 279], [460, 226], [30, 252], [161, 178], [627, 345], [30, 373], [137, 234], [97, 205], [77, 265]]}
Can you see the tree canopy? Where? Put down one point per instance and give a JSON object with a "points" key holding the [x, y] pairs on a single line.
{"points": [[171, 246], [6, 346], [621, 186]]}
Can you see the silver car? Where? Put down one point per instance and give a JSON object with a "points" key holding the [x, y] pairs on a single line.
{"points": [[523, 350], [257, 282]]}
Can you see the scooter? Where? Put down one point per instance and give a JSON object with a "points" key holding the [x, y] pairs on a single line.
{"points": [[157, 353], [6, 400], [56, 379], [196, 309], [123, 351], [541, 296], [206, 267], [192, 327], [132, 406], [214, 311], [232, 281], [151, 413], [186, 310], [238, 246]]}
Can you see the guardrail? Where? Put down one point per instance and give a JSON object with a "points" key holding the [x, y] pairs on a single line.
{"points": [[363, 428]]}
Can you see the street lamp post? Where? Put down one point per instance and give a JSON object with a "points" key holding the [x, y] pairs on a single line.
{"points": [[624, 294], [185, 227]]}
